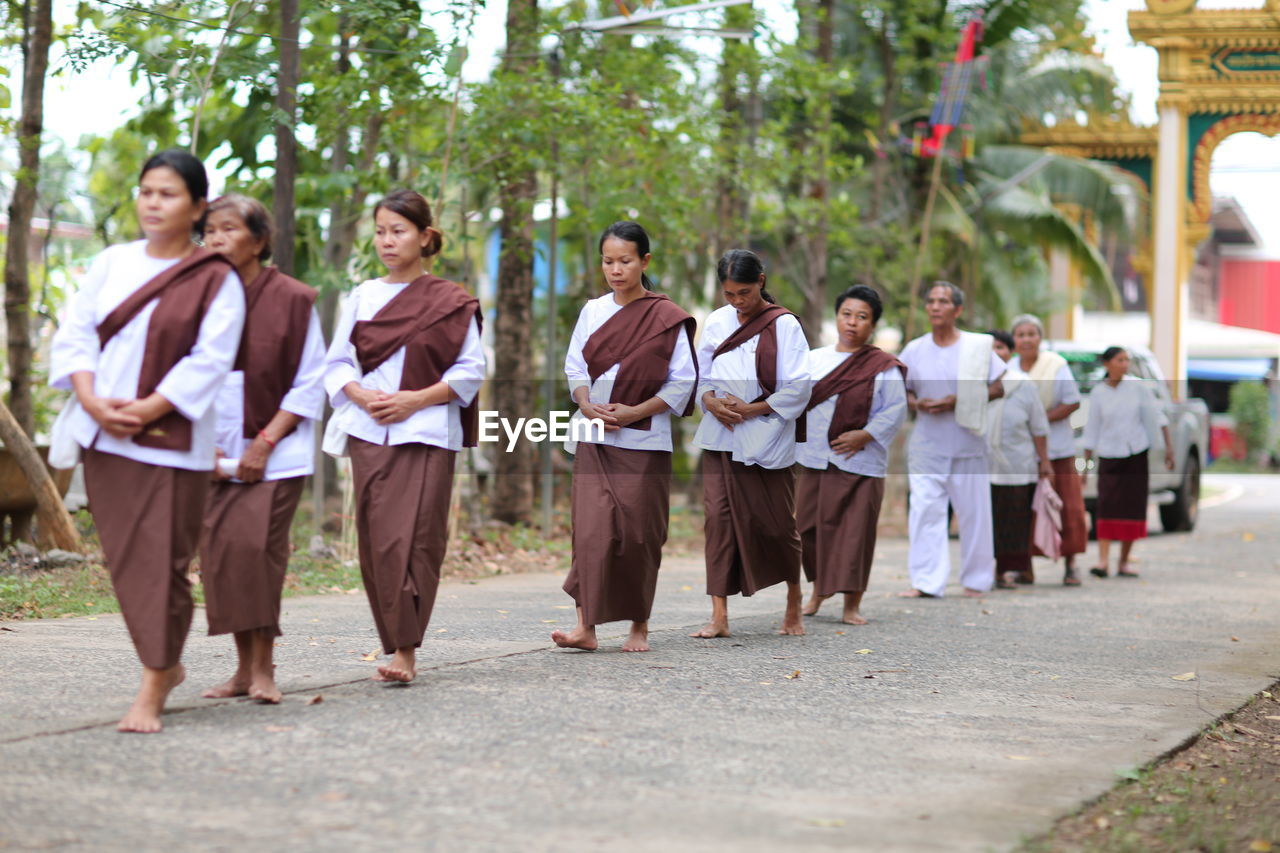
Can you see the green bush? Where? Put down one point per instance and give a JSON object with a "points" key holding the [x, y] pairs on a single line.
{"points": [[1251, 409]]}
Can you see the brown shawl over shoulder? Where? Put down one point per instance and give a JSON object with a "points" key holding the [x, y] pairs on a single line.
{"points": [[277, 318], [766, 348], [185, 291], [854, 380], [430, 318], [640, 339]]}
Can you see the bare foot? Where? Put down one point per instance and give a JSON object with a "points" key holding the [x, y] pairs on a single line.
{"points": [[263, 688], [236, 685], [712, 630], [814, 603], [972, 593], [638, 639], [401, 670], [792, 626], [580, 637], [143, 717], [915, 593], [392, 673]]}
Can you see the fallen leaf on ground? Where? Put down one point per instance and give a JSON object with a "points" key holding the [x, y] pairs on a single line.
{"points": [[1260, 845], [829, 823], [315, 700], [373, 655], [838, 632], [504, 611], [549, 621], [795, 674], [1101, 823], [863, 652], [1248, 537], [1186, 676], [442, 630], [686, 588], [1018, 757], [1235, 639]]}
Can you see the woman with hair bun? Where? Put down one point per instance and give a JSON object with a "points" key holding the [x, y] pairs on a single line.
{"points": [[145, 345], [1125, 420], [753, 363], [267, 414], [402, 373], [631, 365]]}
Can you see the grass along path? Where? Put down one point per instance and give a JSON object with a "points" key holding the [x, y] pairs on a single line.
{"points": [[1221, 792]]}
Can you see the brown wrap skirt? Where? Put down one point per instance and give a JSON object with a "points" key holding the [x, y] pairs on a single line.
{"points": [[1075, 521], [837, 513], [244, 553], [148, 519], [402, 521], [752, 542], [620, 511], [1011, 523]]}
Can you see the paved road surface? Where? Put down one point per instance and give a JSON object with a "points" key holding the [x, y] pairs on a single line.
{"points": [[968, 725]]}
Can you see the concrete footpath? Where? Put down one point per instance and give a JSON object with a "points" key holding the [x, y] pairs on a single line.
{"points": [[951, 724]]}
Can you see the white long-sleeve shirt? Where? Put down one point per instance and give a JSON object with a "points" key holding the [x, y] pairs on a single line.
{"points": [[294, 455], [766, 440], [1022, 418], [440, 425], [191, 385], [675, 392], [1124, 420], [888, 412]]}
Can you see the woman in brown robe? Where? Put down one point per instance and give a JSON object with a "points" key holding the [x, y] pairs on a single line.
{"points": [[267, 411], [859, 403], [146, 345], [753, 367], [630, 366], [402, 373]]}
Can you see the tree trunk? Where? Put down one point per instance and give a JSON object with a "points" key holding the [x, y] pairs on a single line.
{"points": [[736, 120], [815, 236], [56, 528], [880, 164], [286, 142], [37, 34], [513, 394]]}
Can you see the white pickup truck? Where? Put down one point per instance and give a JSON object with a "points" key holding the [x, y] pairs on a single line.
{"points": [[1177, 491]]}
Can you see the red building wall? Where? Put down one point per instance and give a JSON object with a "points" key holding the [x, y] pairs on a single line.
{"points": [[1249, 294]]}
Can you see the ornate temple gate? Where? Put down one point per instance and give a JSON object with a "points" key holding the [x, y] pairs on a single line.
{"points": [[1219, 75]]}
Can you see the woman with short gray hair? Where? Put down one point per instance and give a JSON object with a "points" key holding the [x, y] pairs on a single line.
{"points": [[1060, 397]]}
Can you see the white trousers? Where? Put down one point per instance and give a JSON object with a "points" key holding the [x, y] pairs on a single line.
{"points": [[966, 483]]}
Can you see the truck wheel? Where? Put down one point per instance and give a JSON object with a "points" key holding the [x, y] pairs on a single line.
{"points": [[1182, 514]]}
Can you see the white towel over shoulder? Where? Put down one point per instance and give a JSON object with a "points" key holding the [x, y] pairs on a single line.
{"points": [[971, 390]]}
